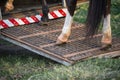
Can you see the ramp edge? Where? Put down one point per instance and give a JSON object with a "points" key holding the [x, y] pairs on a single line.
{"points": [[36, 51]]}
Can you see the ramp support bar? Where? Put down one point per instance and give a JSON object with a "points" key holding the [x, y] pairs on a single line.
{"points": [[36, 51]]}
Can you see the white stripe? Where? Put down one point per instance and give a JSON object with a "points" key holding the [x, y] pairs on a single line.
{"points": [[30, 19], [50, 16], [1, 27], [58, 13], [19, 21], [38, 17], [65, 10], [8, 23]]}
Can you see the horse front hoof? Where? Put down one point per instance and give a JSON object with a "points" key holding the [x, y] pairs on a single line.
{"points": [[9, 7], [59, 42], [8, 10], [42, 23], [106, 46]]}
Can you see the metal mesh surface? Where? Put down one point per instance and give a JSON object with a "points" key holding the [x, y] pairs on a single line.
{"points": [[43, 38], [80, 56], [49, 34], [74, 46], [34, 28]]}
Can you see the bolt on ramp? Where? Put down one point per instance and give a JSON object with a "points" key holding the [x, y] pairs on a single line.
{"points": [[41, 40]]}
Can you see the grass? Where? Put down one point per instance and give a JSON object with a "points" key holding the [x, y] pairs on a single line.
{"points": [[25, 65], [28, 66]]}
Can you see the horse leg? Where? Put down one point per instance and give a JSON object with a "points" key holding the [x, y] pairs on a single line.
{"points": [[9, 5], [45, 11], [107, 37], [66, 31]]}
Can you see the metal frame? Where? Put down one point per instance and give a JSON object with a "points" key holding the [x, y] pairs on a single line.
{"points": [[37, 51]]}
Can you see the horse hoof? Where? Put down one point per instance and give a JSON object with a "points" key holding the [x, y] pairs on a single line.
{"points": [[7, 10], [59, 42], [106, 46], [44, 23], [9, 7]]}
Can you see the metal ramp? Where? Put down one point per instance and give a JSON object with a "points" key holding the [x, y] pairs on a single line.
{"points": [[41, 40]]}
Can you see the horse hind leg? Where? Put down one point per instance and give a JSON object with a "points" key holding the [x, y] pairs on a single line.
{"points": [[107, 37], [9, 5]]}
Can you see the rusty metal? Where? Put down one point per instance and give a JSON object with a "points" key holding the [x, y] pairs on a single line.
{"points": [[43, 38], [96, 52], [113, 54]]}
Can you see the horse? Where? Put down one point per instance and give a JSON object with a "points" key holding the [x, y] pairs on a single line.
{"points": [[9, 6], [97, 10]]}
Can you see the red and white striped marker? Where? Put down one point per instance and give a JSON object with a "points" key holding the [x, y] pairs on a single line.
{"points": [[32, 19]]}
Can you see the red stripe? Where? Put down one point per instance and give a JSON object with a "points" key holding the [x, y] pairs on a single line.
{"points": [[41, 14], [14, 22], [53, 14], [25, 20], [34, 18], [62, 12], [3, 24]]}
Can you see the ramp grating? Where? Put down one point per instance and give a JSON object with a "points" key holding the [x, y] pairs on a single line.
{"points": [[41, 40]]}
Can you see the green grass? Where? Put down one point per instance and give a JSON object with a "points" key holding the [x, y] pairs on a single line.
{"points": [[25, 65], [115, 17]]}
